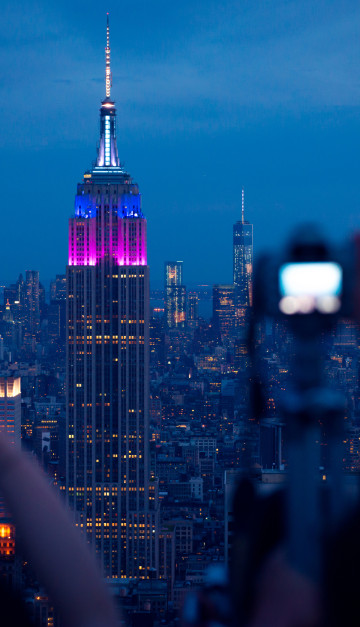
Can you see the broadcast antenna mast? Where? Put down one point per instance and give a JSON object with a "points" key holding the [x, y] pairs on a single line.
{"points": [[108, 80]]}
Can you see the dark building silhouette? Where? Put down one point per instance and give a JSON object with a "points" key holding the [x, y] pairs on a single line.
{"points": [[57, 308], [32, 306], [193, 309]]}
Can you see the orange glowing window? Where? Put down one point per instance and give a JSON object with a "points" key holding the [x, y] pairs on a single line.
{"points": [[5, 531]]}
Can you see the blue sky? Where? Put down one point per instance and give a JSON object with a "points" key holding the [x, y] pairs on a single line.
{"points": [[210, 96]]}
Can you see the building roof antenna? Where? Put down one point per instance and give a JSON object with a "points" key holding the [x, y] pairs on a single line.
{"points": [[108, 77]]}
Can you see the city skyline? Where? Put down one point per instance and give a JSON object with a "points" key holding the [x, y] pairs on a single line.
{"points": [[165, 432], [245, 94]]}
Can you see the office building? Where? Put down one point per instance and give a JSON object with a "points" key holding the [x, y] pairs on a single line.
{"points": [[10, 424], [10, 409], [242, 267], [32, 305], [107, 376], [175, 295], [223, 310], [58, 288], [241, 353], [14, 294], [56, 312], [193, 310]]}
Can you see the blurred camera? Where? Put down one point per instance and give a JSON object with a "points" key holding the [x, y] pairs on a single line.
{"points": [[306, 287], [311, 283]]}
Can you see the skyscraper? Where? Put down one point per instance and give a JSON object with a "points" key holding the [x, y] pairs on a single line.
{"points": [[107, 361], [10, 417], [10, 423], [32, 305], [175, 295], [56, 311], [223, 310], [242, 266], [193, 310]]}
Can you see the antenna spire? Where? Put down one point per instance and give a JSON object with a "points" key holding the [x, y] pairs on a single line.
{"points": [[107, 60], [242, 206]]}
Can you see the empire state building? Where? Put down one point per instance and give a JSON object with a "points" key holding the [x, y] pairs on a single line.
{"points": [[243, 267], [107, 374]]}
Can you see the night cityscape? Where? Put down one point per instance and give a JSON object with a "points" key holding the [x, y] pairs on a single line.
{"points": [[146, 392]]}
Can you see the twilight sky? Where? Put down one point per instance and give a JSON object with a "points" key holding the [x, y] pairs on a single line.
{"points": [[211, 95]]}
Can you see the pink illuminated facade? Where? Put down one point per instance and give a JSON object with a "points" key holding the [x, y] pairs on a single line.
{"points": [[122, 239], [107, 377], [108, 222]]}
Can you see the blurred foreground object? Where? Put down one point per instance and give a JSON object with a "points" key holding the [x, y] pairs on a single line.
{"points": [[293, 551], [54, 546], [285, 597]]}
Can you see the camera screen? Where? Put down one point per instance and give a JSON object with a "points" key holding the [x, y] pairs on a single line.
{"points": [[307, 287]]}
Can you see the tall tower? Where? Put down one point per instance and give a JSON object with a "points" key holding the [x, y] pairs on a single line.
{"points": [[242, 266], [107, 373], [32, 305], [175, 295], [193, 310], [10, 423], [10, 417]]}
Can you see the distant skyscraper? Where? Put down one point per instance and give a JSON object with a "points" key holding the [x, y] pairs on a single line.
{"points": [[32, 305], [241, 354], [14, 295], [223, 309], [175, 295], [107, 362], [193, 309], [243, 266], [15, 311], [58, 288], [57, 309]]}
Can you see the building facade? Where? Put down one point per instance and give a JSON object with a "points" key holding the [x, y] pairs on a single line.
{"points": [[175, 295], [10, 424], [193, 310], [32, 306], [223, 310], [10, 418], [107, 374], [242, 267]]}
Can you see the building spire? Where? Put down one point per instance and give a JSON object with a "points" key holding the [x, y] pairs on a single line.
{"points": [[107, 60], [242, 206]]}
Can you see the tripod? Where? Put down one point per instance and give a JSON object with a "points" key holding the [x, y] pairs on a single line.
{"points": [[315, 500]]}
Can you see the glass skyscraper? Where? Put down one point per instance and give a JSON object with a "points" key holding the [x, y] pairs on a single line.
{"points": [[175, 295], [107, 378]]}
